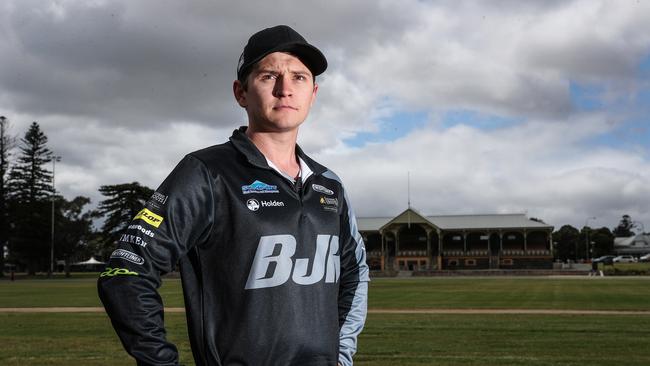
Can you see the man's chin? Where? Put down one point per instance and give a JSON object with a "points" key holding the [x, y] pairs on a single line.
{"points": [[277, 126]]}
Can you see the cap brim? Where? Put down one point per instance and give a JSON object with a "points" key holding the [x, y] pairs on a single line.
{"points": [[311, 56], [308, 54]]}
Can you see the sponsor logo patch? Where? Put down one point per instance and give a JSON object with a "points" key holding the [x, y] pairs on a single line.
{"points": [[112, 272], [146, 232], [321, 189], [129, 256], [329, 204], [275, 262], [157, 200], [159, 197], [272, 203], [253, 204], [259, 187], [132, 239], [149, 217]]}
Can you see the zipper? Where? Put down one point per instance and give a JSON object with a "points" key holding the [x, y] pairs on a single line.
{"points": [[297, 189], [302, 187]]}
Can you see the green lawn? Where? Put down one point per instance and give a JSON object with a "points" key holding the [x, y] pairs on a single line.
{"points": [[499, 340], [70, 292], [504, 340], [84, 339], [606, 293], [388, 339]]}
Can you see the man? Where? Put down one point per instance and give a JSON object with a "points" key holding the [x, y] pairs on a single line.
{"points": [[272, 265]]}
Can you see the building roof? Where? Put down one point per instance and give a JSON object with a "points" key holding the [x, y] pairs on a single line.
{"points": [[493, 221], [455, 222], [372, 223]]}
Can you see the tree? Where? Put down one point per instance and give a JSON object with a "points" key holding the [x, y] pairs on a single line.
{"points": [[603, 240], [123, 203], [6, 144], [566, 241], [624, 228], [29, 181], [600, 241], [30, 188], [73, 229]]}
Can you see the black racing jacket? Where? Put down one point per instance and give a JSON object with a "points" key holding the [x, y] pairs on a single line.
{"points": [[273, 273]]}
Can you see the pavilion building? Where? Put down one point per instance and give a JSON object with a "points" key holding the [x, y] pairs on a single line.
{"points": [[414, 242]]}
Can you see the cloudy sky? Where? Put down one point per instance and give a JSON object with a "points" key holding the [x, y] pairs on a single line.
{"points": [[505, 106]]}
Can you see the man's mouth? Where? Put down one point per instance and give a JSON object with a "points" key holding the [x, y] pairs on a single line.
{"points": [[281, 107]]}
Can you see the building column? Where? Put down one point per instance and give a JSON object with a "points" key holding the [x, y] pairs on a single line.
{"points": [[500, 242], [464, 242], [383, 252], [494, 257], [429, 259], [550, 242], [395, 261], [525, 242], [439, 264], [488, 235]]}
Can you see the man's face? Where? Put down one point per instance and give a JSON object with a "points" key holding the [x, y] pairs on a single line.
{"points": [[280, 93]]}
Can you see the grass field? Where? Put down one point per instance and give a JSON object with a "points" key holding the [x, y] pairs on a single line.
{"points": [[607, 293], [388, 339]]}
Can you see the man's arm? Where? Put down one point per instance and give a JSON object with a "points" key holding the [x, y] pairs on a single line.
{"points": [[353, 288], [177, 217]]}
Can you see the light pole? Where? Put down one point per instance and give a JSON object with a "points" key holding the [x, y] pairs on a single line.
{"points": [[587, 236], [54, 160]]}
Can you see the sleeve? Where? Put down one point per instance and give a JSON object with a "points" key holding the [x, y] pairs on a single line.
{"points": [[178, 216], [353, 288]]}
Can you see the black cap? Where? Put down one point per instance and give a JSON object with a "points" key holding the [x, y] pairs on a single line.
{"points": [[280, 38]]}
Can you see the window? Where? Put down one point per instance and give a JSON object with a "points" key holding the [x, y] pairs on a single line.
{"points": [[470, 262]]}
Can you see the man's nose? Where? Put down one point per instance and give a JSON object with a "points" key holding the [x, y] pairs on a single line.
{"points": [[283, 87]]}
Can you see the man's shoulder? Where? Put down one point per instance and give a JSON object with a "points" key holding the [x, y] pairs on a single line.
{"points": [[215, 153], [329, 174]]}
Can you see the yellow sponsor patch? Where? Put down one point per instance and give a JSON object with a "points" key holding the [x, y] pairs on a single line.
{"points": [[149, 217]]}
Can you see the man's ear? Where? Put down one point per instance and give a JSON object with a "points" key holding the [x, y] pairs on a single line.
{"points": [[240, 93]]}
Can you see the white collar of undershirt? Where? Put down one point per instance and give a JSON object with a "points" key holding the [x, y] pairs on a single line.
{"points": [[304, 172]]}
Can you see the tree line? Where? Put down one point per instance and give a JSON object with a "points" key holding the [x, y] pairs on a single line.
{"points": [[37, 224], [575, 245], [33, 215]]}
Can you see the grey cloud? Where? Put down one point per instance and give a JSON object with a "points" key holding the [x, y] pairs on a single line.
{"points": [[518, 62], [108, 80], [104, 62], [136, 63], [543, 169]]}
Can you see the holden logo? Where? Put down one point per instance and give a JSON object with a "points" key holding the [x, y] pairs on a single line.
{"points": [[252, 204]]}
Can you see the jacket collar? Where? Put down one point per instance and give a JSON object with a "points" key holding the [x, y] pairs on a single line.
{"points": [[245, 146]]}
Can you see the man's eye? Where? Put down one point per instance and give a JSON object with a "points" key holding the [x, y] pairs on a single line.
{"points": [[268, 77], [301, 77]]}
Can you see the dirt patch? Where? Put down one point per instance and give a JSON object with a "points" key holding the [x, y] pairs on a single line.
{"points": [[71, 310], [509, 311], [370, 311]]}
